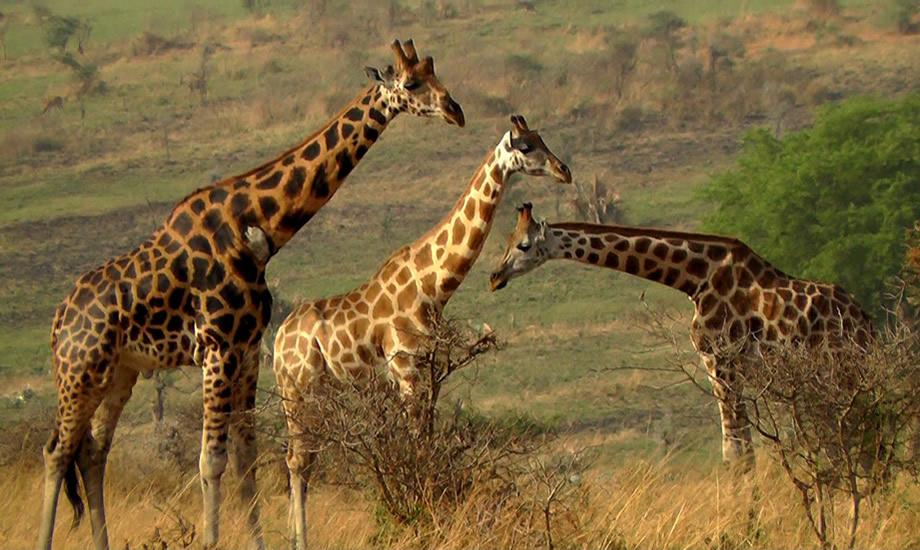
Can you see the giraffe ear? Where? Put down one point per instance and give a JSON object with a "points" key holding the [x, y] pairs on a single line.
{"points": [[385, 76], [542, 231]]}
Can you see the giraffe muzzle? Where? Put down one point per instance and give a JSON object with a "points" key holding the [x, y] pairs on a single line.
{"points": [[497, 281], [453, 113]]}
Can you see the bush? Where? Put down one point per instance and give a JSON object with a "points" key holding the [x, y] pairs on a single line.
{"points": [[831, 202], [838, 423], [426, 466], [47, 144]]}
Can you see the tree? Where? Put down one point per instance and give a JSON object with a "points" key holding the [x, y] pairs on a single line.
{"points": [[5, 21], [60, 30], [663, 26], [831, 202]]}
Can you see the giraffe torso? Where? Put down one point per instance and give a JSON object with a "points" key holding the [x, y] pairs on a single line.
{"points": [[146, 309], [747, 304]]}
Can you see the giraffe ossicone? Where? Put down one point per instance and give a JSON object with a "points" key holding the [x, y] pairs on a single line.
{"points": [[381, 324], [743, 306], [194, 292]]}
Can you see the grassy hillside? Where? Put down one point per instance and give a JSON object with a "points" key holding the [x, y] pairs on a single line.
{"points": [[88, 181]]}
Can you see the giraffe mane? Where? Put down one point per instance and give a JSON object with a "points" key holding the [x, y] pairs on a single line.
{"points": [[631, 231], [738, 248]]}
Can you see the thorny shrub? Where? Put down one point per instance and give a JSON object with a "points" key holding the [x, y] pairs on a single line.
{"points": [[426, 466]]}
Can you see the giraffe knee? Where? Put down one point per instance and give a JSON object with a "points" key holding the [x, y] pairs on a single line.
{"points": [[213, 463]]}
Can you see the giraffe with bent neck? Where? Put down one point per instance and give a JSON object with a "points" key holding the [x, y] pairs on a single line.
{"points": [[742, 304], [195, 292], [381, 323]]}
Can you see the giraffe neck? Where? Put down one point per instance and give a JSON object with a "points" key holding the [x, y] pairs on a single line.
{"points": [[679, 260], [282, 195], [456, 241]]}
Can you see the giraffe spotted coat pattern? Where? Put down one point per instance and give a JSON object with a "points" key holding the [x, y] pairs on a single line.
{"points": [[380, 324], [195, 292], [742, 304]]}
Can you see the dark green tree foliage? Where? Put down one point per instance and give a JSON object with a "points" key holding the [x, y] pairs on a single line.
{"points": [[59, 30], [831, 202]]}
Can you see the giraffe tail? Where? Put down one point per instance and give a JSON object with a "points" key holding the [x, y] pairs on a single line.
{"points": [[72, 490]]}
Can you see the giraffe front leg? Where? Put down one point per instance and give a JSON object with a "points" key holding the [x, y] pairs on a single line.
{"points": [[300, 459], [218, 369], [737, 448], [242, 436], [405, 373], [93, 453]]}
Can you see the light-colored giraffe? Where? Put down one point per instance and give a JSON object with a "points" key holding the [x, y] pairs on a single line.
{"points": [[195, 291], [742, 304], [379, 325]]}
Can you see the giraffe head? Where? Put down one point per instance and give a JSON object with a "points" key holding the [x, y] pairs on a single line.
{"points": [[530, 155], [527, 249], [414, 88]]}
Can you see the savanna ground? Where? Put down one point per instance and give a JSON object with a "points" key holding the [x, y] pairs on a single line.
{"points": [[81, 183]]}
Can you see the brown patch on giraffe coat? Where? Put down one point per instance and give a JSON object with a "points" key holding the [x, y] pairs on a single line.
{"points": [[476, 238], [707, 304], [767, 279], [486, 210], [717, 320], [403, 276], [457, 264], [469, 209], [450, 284], [365, 355], [698, 268], [383, 308], [428, 282], [442, 238], [743, 277], [716, 252], [642, 245], [754, 298], [406, 298], [458, 231], [660, 251], [373, 290], [740, 302], [771, 308], [679, 255], [388, 271], [722, 280], [423, 258]]}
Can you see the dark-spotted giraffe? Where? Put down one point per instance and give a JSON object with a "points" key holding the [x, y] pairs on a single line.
{"points": [[742, 304], [195, 291], [380, 324]]}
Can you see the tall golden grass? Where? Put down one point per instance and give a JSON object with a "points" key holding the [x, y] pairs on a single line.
{"points": [[638, 503]]}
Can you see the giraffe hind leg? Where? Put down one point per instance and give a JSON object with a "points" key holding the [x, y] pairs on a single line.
{"points": [[60, 457], [243, 444], [93, 452]]}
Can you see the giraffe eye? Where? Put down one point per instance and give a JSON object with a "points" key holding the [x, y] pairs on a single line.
{"points": [[411, 85], [524, 247]]}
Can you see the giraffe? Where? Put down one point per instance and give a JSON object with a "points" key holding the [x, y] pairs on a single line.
{"points": [[742, 304], [380, 324], [194, 292]]}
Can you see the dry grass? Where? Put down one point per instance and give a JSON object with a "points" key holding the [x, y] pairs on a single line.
{"points": [[659, 503]]}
